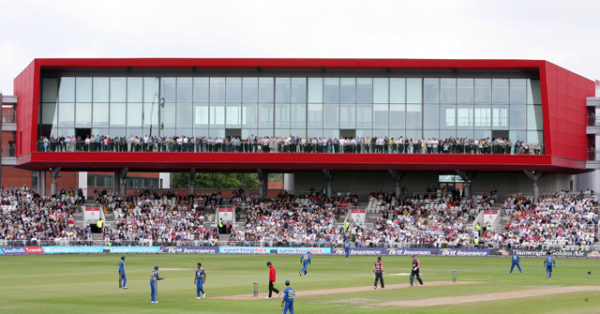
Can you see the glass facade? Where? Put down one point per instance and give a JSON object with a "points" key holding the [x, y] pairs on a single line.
{"points": [[417, 108]]}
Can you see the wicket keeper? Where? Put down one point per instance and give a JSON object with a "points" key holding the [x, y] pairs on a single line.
{"points": [[199, 280]]}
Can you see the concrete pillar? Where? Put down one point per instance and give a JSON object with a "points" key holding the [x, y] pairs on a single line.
{"points": [[116, 183], [397, 176], [466, 176], [192, 185], [535, 177], [123, 181], [263, 183], [42, 183], [54, 173], [329, 177], [288, 182]]}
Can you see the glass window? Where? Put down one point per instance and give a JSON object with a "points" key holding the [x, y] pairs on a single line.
{"points": [[432, 117], [234, 115], [298, 132], [217, 114], [66, 115], [347, 115], [282, 132], [397, 90], [315, 115], [118, 114], [265, 90], [331, 90], [84, 114], [482, 134], [429, 134], [414, 116], [298, 116], [500, 91], [348, 90], [364, 113], [265, 114], [217, 89], [381, 91], [49, 113], [101, 89], [535, 119], [66, 90], [250, 89], [518, 91], [185, 89], [151, 89], [483, 116], [315, 133], [500, 117], [234, 89], [118, 89], [483, 91], [298, 90], [135, 89], [184, 115], [366, 133], [282, 89], [331, 116], [448, 91], [535, 137], [282, 116], [168, 89], [380, 116], [515, 136], [66, 132], [414, 134], [331, 134], [464, 133], [518, 119], [444, 134], [84, 89], [200, 114], [534, 96], [100, 115], [448, 117], [250, 115], [397, 116], [202, 132], [413, 90], [364, 90], [464, 89], [431, 90], [168, 115], [134, 115], [464, 116], [151, 114], [201, 89], [315, 90], [49, 90], [380, 133], [248, 132], [166, 132]]}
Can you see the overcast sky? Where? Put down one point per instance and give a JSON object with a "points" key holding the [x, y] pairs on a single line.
{"points": [[563, 32]]}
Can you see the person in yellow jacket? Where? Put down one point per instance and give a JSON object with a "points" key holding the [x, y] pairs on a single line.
{"points": [[478, 228], [100, 223], [347, 225]]}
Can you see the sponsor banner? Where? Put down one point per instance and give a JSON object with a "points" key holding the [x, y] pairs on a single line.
{"points": [[489, 216], [34, 250], [226, 214], [133, 249], [358, 214], [13, 250], [544, 253], [464, 252], [1, 252], [244, 250], [303, 250], [100, 249], [387, 251], [189, 250], [92, 213]]}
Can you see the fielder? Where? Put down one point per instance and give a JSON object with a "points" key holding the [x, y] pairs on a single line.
{"points": [[154, 278], [378, 272], [548, 262], [416, 268], [347, 248], [122, 277], [305, 260], [288, 298], [515, 262], [199, 280]]}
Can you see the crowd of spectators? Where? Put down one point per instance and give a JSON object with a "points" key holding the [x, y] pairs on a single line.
{"points": [[265, 144]]}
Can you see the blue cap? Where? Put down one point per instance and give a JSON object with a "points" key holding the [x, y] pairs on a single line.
{"points": [[155, 267], [287, 282], [122, 257]]}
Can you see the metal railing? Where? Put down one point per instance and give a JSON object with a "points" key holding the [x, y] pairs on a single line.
{"points": [[143, 242], [593, 120], [9, 151], [9, 116], [593, 155], [52, 145]]}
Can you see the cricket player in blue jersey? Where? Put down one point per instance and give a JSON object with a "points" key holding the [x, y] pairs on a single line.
{"points": [[288, 298], [154, 278], [122, 277], [347, 248], [549, 262], [515, 262], [199, 281], [304, 260]]}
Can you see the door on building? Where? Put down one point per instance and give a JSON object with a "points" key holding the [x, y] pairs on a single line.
{"points": [[233, 133], [348, 133], [83, 133]]}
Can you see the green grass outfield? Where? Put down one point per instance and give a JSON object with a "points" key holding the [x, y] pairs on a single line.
{"points": [[89, 284]]}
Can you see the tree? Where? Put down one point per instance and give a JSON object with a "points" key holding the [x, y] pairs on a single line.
{"points": [[216, 180]]}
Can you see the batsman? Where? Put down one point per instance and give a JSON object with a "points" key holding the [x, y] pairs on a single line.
{"points": [[415, 271]]}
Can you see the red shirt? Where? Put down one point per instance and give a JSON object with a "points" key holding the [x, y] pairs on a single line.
{"points": [[272, 273]]}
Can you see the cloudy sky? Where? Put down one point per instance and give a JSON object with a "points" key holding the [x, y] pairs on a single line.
{"points": [[563, 32]]}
